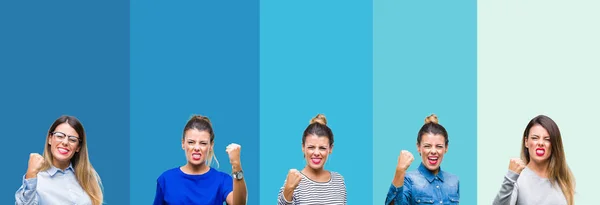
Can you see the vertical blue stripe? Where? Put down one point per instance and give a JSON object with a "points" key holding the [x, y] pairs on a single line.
{"points": [[192, 57], [425, 62], [316, 57], [65, 57]]}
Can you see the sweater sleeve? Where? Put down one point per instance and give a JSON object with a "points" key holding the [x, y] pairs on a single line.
{"points": [[508, 191]]}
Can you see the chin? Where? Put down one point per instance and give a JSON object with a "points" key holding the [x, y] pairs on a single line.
{"points": [[432, 168], [316, 167], [193, 162]]}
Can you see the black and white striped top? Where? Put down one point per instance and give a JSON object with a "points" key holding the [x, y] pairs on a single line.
{"points": [[310, 192]]}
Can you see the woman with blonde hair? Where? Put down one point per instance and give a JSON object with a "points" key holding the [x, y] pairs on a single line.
{"points": [[314, 184], [197, 182], [541, 176], [64, 174]]}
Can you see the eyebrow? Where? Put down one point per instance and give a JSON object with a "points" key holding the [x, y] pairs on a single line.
{"points": [[65, 134]]}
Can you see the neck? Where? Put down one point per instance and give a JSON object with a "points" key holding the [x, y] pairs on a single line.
{"points": [[195, 169], [60, 165], [319, 175], [541, 169], [434, 172]]}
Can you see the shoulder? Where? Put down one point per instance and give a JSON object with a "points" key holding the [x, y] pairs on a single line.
{"points": [[174, 172], [449, 177], [216, 174], [335, 176], [413, 175]]}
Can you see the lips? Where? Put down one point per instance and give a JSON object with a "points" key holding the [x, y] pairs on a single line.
{"points": [[63, 150], [540, 152], [316, 160], [433, 160], [196, 156]]}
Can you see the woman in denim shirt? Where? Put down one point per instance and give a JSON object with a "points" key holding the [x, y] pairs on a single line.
{"points": [[428, 184]]}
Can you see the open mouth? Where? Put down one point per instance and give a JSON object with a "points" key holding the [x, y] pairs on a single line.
{"points": [[433, 160], [63, 150], [316, 160], [540, 152], [196, 156]]}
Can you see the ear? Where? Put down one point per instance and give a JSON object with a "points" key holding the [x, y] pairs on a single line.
{"points": [[303, 151], [331, 149], [525, 140], [183, 144], [446, 149], [78, 148], [212, 146]]}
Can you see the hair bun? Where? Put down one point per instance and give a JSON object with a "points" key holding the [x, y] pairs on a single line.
{"points": [[320, 118], [431, 119], [200, 117]]}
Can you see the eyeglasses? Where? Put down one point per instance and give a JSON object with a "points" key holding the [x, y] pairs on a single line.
{"points": [[61, 136]]}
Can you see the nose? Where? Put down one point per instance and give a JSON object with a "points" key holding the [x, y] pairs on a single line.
{"points": [[432, 151], [65, 141], [540, 143], [316, 154]]}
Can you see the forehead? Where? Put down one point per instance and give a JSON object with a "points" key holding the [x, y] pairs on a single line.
{"points": [[430, 138], [67, 129], [316, 140], [538, 130], [194, 134]]}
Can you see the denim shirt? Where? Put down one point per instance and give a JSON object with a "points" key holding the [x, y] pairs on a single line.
{"points": [[422, 187]]}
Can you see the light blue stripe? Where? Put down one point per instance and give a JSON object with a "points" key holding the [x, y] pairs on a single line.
{"points": [[316, 57], [425, 62]]}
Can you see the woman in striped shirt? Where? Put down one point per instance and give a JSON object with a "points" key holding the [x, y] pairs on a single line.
{"points": [[314, 184]]}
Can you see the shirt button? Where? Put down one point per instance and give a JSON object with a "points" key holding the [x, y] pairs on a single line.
{"points": [[440, 202], [437, 187], [418, 200]]}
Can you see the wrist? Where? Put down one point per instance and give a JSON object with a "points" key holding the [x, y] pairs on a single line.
{"points": [[30, 174], [401, 169], [236, 166]]}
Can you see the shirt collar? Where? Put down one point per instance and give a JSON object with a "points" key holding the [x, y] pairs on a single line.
{"points": [[429, 175], [53, 170]]}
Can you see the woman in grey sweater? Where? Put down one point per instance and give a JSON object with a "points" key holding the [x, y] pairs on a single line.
{"points": [[541, 176]]}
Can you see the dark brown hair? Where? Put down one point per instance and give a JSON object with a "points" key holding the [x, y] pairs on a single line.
{"points": [[558, 170], [318, 127], [432, 126]]}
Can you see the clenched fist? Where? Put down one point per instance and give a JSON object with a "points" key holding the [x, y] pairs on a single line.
{"points": [[233, 150], [36, 161], [292, 181], [516, 165], [404, 160]]}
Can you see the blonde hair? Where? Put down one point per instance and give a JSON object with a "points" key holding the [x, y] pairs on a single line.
{"points": [[86, 175], [320, 118], [558, 170], [202, 123], [431, 119]]}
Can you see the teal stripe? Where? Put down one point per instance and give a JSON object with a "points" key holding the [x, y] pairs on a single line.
{"points": [[316, 57], [425, 62]]}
